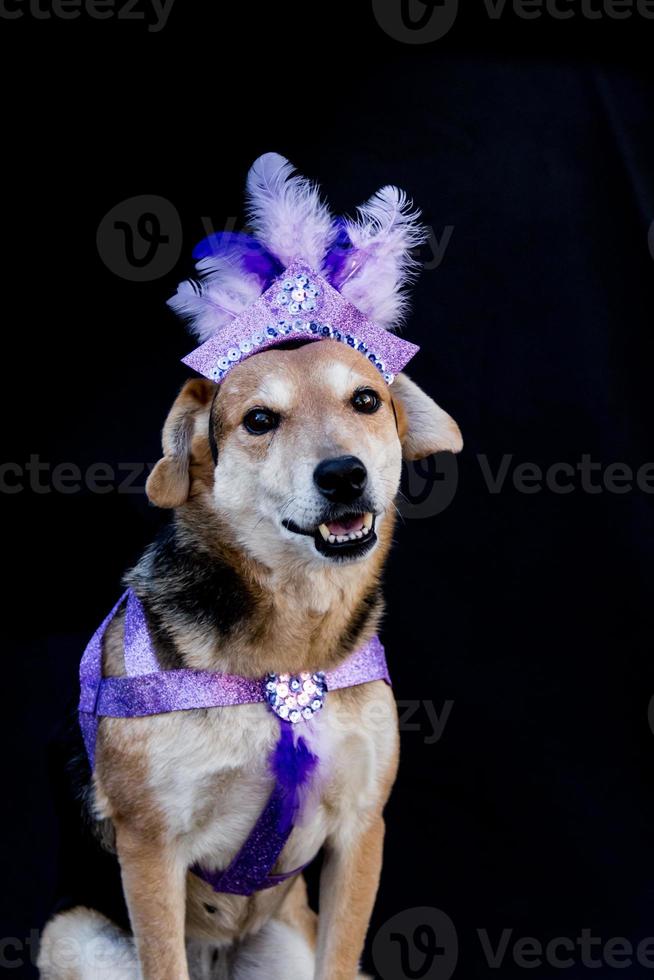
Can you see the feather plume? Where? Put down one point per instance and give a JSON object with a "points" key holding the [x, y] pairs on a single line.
{"points": [[380, 264], [212, 302], [292, 765], [286, 212]]}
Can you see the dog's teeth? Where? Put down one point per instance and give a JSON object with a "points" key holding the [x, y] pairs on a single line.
{"points": [[349, 535]]}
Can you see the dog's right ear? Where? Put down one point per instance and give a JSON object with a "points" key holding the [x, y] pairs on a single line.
{"points": [[424, 428], [169, 482]]}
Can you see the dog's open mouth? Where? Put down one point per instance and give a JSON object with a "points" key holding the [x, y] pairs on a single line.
{"points": [[348, 536]]}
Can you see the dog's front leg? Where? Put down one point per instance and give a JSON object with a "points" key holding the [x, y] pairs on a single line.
{"points": [[348, 885], [154, 882]]}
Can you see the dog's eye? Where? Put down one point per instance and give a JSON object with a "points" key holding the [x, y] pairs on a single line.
{"points": [[366, 400], [260, 420]]}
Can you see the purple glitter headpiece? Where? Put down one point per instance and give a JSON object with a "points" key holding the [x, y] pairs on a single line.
{"points": [[302, 275]]}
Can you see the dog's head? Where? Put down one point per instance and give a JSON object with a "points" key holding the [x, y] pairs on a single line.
{"points": [[295, 452], [298, 452]]}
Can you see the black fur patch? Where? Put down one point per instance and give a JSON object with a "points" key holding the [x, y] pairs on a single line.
{"points": [[180, 583], [370, 604], [162, 641], [213, 425]]}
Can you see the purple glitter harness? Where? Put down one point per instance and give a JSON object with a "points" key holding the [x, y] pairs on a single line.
{"points": [[148, 690]]}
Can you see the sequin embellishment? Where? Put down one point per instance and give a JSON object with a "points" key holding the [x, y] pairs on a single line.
{"points": [[294, 697]]}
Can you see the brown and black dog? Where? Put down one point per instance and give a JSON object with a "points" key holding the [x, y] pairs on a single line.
{"points": [[244, 582]]}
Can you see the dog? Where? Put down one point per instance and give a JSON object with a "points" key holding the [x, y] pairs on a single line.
{"points": [[282, 478]]}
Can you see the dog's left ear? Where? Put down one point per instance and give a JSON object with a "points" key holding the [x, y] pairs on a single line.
{"points": [[169, 482], [423, 426]]}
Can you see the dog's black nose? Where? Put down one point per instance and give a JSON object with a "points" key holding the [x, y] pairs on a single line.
{"points": [[342, 479]]}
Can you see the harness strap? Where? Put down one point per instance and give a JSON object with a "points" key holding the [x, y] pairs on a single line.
{"points": [[250, 869], [148, 690], [90, 677], [140, 657]]}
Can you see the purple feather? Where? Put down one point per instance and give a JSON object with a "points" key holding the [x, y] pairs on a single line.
{"points": [[341, 260], [244, 250], [292, 765]]}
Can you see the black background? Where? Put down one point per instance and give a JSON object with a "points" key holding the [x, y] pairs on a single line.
{"points": [[530, 612]]}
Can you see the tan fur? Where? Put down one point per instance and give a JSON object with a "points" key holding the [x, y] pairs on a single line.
{"points": [[186, 787], [348, 886], [153, 882], [295, 912], [169, 482]]}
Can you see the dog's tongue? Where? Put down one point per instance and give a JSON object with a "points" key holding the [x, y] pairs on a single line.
{"points": [[346, 525]]}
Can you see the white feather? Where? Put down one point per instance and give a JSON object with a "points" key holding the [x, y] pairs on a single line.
{"points": [[385, 231], [211, 303], [286, 212]]}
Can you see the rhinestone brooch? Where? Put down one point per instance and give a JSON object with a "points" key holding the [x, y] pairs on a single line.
{"points": [[295, 697]]}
